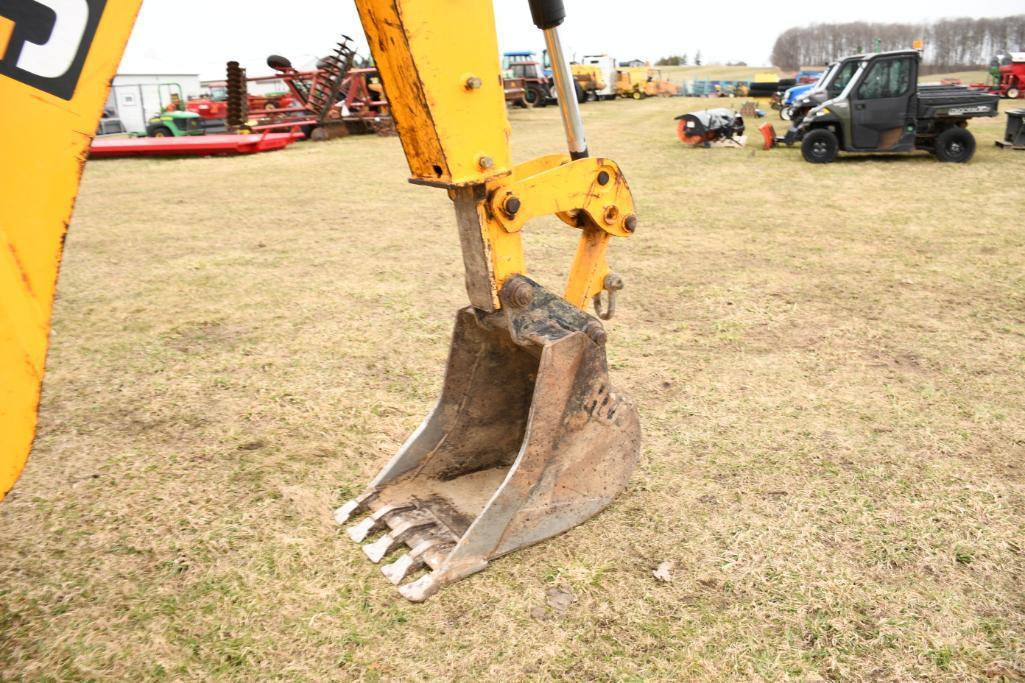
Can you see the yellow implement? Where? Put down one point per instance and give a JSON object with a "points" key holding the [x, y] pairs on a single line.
{"points": [[529, 438], [56, 62]]}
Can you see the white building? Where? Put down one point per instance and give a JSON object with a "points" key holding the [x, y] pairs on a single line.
{"points": [[135, 98]]}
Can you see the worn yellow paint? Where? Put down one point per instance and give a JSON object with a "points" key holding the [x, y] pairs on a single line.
{"points": [[6, 27], [567, 187], [43, 143], [428, 53]]}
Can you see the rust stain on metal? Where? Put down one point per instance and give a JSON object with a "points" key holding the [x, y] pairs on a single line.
{"points": [[21, 269]]}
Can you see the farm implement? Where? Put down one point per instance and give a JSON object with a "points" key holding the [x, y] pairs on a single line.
{"points": [[334, 100], [1014, 135], [200, 145], [711, 128]]}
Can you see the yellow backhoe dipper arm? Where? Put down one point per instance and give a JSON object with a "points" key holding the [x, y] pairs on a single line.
{"points": [[528, 438], [440, 66], [57, 58]]}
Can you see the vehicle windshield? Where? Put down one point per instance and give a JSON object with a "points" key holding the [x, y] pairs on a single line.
{"points": [[524, 70], [844, 73], [826, 75]]}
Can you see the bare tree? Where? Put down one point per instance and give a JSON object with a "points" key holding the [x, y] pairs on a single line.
{"points": [[950, 44]]}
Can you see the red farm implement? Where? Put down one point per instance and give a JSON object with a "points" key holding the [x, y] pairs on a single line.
{"points": [[334, 100]]}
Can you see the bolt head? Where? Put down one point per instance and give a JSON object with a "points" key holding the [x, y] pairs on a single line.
{"points": [[486, 162], [473, 83], [512, 206], [520, 294]]}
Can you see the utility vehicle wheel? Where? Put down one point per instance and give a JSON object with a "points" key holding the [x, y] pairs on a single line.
{"points": [[161, 132], [955, 145], [637, 95], [819, 146], [784, 113], [1013, 93]]}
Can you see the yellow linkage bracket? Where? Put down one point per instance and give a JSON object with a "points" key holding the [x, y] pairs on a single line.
{"points": [[590, 194], [440, 68]]}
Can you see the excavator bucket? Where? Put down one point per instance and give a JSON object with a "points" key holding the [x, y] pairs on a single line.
{"points": [[527, 441]]}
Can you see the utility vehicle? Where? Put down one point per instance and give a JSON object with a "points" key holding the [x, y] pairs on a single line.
{"points": [[872, 103]]}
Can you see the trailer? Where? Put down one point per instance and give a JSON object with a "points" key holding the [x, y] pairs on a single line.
{"points": [[203, 145]]}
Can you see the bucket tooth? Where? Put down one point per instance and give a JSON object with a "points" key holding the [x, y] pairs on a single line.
{"points": [[397, 571], [355, 505], [374, 522], [403, 526], [421, 589], [527, 441], [377, 550]]}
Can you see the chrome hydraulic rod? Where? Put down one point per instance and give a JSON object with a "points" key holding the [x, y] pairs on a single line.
{"points": [[548, 15]]}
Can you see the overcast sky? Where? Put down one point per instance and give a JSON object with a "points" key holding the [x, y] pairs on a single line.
{"points": [[193, 36]]}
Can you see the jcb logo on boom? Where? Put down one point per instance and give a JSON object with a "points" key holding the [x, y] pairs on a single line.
{"points": [[44, 43]]}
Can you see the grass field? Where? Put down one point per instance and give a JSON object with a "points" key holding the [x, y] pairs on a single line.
{"points": [[827, 361]]}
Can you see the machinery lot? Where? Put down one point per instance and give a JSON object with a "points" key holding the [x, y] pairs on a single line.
{"points": [[828, 364]]}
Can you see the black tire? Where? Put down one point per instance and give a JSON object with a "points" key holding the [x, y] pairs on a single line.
{"points": [[535, 96], [819, 146], [784, 113], [1013, 93], [581, 93], [955, 145], [161, 132]]}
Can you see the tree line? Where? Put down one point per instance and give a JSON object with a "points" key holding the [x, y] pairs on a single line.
{"points": [[950, 44], [679, 60]]}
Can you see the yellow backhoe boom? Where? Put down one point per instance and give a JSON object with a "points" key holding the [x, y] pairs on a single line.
{"points": [[57, 58]]}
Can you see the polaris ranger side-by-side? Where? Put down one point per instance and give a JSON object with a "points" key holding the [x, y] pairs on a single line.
{"points": [[872, 103]]}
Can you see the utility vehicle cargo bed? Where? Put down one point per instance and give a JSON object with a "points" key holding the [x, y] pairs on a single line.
{"points": [[955, 102]]}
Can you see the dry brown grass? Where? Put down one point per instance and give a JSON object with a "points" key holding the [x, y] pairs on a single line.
{"points": [[828, 363]]}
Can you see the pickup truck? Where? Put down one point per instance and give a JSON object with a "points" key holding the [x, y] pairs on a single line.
{"points": [[872, 103]]}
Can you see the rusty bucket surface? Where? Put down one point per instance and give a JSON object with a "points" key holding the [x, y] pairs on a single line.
{"points": [[527, 441]]}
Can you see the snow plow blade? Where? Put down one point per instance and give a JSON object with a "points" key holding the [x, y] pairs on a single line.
{"points": [[527, 441]]}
